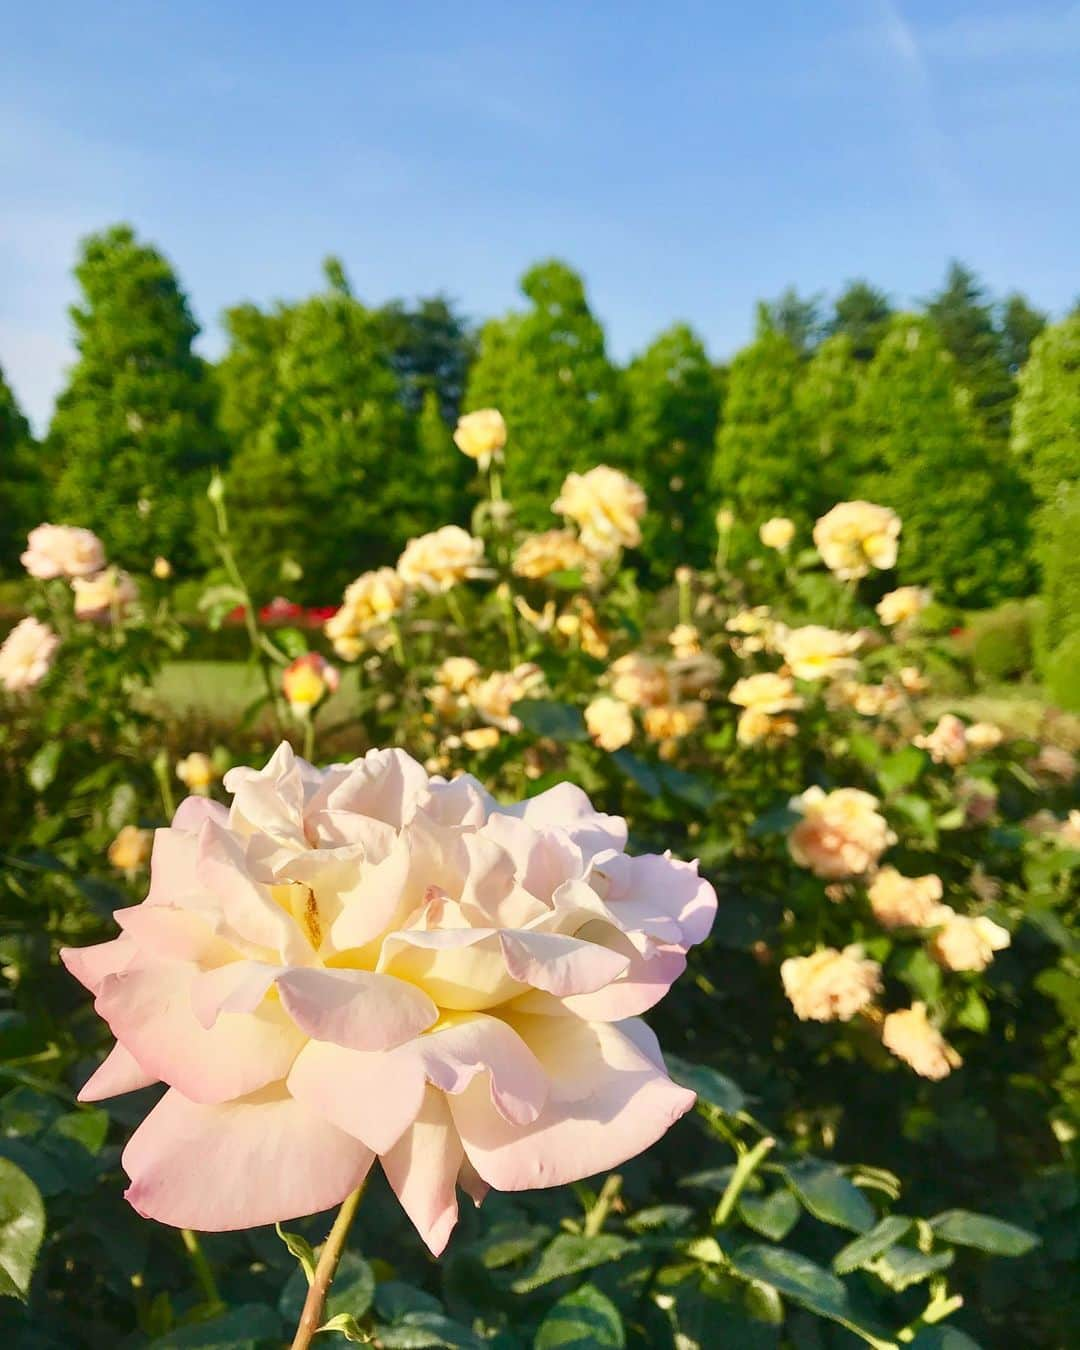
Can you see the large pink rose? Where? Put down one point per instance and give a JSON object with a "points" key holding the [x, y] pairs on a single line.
{"points": [[364, 961]]}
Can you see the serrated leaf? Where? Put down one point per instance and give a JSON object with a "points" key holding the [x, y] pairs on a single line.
{"points": [[569, 1254], [870, 1245], [583, 1320], [22, 1227], [995, 1236], [660, 1216], [802, 1281], [828, 1194], [901, 1267], [710, 1085], [773, 1216], [550, 718]]}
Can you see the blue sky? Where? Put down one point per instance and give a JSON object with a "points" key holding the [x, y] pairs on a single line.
{"points": [[687, 157]]}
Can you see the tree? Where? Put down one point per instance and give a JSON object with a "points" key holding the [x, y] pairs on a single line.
{"points": [[246, 375], [23, 485], [920, 448], [332, 477], [964, 319], [862, 313], [547, 370], [1046, 419], [431, 347], [764, 464], [133, 436], [824, 405], [673, 403], [1019, 325], [796, 317]]}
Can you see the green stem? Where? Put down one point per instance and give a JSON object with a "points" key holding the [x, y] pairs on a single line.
{"points": [[744, 1170], [594, 1220], [309, 737], [455, 609], [204, 1275], [312, 1315], [506, 600]]}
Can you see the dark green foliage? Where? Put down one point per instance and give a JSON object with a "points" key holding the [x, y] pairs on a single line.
{"points": [[22, 485], [918, 448], [547, 370], [862, 313], [824, 405], [1019, 324], [133, 437], [430, 347], [673, 408], [1046, 420], [1002, 640], [794, 316], [964, 319]]}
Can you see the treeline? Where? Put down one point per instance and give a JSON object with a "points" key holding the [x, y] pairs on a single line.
{"points": [[333, 420]]}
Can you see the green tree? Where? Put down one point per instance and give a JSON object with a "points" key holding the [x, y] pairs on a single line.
{"points": [[246, 375], [1019, 325], [1046, 419], [794, 316], [825, 405], [547, 371], [133, 435], [431, 347], [920, 449], [23, 485], [862, 313], [964, 318], [673, 402], [332, 478], [764, 464]]}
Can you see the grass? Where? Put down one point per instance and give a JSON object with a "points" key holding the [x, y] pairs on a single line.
{"points": [[221, 691], [1020, 709]]}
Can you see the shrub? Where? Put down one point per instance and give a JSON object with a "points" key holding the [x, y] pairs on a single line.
{"points": [[1063, 673], [1002, 641]]}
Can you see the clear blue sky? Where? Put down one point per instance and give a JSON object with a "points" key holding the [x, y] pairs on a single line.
{"points": [[688, 158]]}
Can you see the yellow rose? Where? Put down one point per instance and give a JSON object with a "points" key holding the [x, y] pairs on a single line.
{"points": [[610, 723], [457, 673], [196, 772], [539, 555], [639, 681], [307, 680], [904, 902], [855, 536], [841, 834], [582, 623], [481, 435], [913, 680], [131, 848], [685, 640], [902, 605], [494, 697], [909, 1035], [830, 985], [777, 533], [440, 560], [983, 736], [480, 738], [766, 693], [754, 725], [606, 506], [817, 653], [672, 721], [162, 569]]}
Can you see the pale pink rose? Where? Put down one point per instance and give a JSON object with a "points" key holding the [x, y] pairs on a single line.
{"points": [[841, 833], [62, 551], [830, 985], [904, 902], [106, 594], [26, 655], [363, 962], [910, 1036], [947, 743]]}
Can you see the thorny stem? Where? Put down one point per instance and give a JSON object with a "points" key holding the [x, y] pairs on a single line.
{"points": [[744, 1170], [204, 1275], [312, 1315], [594, 1220]]}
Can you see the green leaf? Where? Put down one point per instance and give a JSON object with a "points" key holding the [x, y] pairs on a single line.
{"points": [[777, 820], [995, 1236], [901, 769], [87, 1128], [43, 765], [773, 1216], [395, 1300], [583, 1320], [353, 1290], [901, 1267], [241, 1328], [870, 1245], [428, 1329], [802, 1281], [547, 717], [943, 1338], [346, 1325], [568, 1254], [660, 1216], [292, 641], [639, 771], [302, 1249], [828, 1194], [22, 1226], [710, 1086]]}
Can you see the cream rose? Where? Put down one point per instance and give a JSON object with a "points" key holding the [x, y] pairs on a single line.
{"points": [[902, 605], [966, 943], [673, 721], [610, 723], [442, 559], [766, 693], [904, 902], [755, 726], [841, 834], [541, 555], [481, 435], [307, 680], [494, 697], [947, 743], [817, 653], [777, 533], [606, 506], [983, 736], [196, 771], [131, 848], [855, 536], [62, 551], [830, 985], [639, 680], [909, 1035], [101, 596], [26, 656]]}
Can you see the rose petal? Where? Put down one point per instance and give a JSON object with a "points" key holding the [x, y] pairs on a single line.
{"points": [[118, 1072], [373, 1095], [262, 1159], [355, 1008], [422, 1167], [469, 1044], [463, 969], [560, 965], [91, 965]]}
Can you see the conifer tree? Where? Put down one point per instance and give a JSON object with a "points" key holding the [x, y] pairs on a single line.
{"points": [[794, 316], [1019, 325], [547, 371], [431, 346], [22, 485], [673, 406], [964, 318], [862, 313], [920, 448], [133, 436]]}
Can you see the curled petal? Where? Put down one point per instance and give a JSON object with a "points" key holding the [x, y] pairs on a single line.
{"points": [[261, 1159], [453, 1055], [247, 905], [560, 965], [355, 1008], [566, 807], [238, 987], [423, 1166], [607, 1101], [118, 1072], [92, 965]]}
